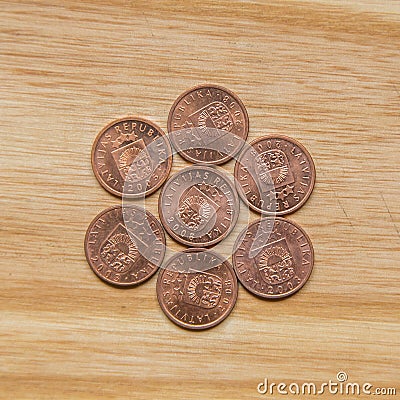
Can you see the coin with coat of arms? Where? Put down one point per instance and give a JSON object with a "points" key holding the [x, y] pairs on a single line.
{"points": [[131, 156], [124, 246], [198, 206], [275, 175], [208, 124], [273, 257], [197, 288]]}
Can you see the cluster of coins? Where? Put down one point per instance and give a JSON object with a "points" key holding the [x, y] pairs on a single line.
{"points": [[199, 207]]}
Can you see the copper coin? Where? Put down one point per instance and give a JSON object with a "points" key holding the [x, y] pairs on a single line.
{"points": [[125, 246], [208, 124], [198, 206], [131, 156], [273, 257], [197, 289], [275, 175]]}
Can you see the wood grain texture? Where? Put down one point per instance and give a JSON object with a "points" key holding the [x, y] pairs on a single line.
{"points": [[324, 72]]}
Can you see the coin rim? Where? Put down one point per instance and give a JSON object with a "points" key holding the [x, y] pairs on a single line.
{"points": [[178, 238], [170, 131], [86, 247], [114, 191], [298, 205], [183, 324], [266, 295]]}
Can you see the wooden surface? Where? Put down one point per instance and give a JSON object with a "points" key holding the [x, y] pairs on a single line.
{"points": [[324, 72]]}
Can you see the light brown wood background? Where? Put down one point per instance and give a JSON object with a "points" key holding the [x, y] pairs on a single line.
{"points": [[324, 72]]}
